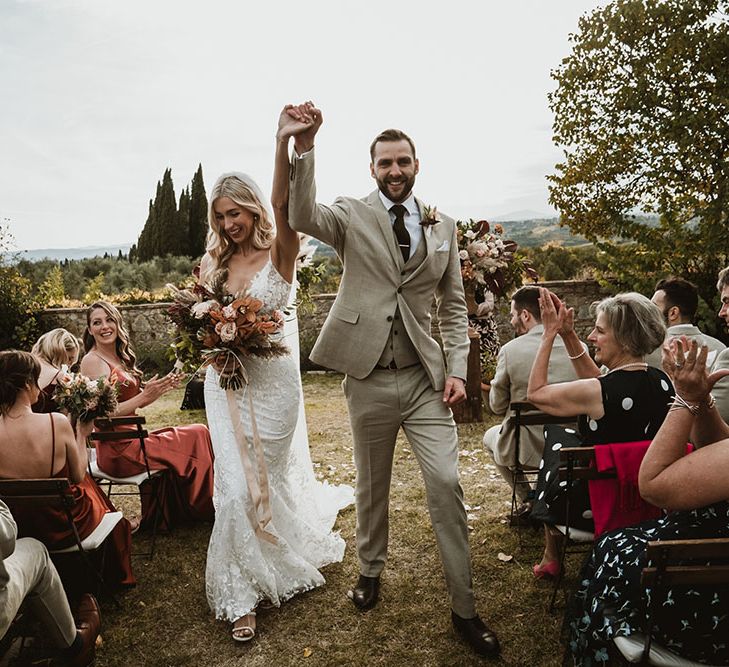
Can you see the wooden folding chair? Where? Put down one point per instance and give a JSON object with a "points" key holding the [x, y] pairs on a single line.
{"points": [[107, 430], [526, 414], [56, 493], [703, 562]]}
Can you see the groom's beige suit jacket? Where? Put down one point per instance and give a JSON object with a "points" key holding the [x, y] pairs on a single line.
{"points": [[374, 285]]}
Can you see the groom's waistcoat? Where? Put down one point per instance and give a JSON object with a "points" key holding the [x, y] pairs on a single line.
{"points": [[399, 348], [376, 286]]}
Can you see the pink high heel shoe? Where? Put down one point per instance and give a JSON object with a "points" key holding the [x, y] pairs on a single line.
{"points": [[548, 571]]}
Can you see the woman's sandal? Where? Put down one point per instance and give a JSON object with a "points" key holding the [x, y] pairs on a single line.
{"points": [[549, 570], [243, 632]]}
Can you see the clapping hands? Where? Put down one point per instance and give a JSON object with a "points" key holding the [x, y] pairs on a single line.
{"points": [[685, 363], [556, 317], [156, 387]]}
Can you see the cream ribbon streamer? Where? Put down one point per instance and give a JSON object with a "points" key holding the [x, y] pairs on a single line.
{"points": [[258, 487]]}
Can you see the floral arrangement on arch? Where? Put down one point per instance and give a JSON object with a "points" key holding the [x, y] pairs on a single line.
{"points": [[491, 269], [84, 399], [219, 329]]}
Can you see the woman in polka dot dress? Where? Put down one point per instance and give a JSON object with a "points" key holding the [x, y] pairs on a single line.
{"points": [[628, 403]]}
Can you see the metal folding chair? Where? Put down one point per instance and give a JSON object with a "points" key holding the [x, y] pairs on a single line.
{"points": [[107, 430]]}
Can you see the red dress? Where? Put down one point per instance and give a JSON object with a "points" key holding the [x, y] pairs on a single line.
{"points": [[184, 451], [50, 526]]}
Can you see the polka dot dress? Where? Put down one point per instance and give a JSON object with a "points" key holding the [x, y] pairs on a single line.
{"points": [[636, 403]]}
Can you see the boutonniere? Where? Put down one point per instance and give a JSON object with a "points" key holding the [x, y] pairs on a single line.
{"points": [[430, 218]]}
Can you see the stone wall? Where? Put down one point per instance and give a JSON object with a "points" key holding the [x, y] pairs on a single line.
{"points": [[151, 332], [149, 329]]}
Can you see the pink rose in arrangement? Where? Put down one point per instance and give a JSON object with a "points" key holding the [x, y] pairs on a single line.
{"points": [[227, 331]]}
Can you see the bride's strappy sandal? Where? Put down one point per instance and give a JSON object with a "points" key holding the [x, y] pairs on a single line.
{"points": [[244, 633]]}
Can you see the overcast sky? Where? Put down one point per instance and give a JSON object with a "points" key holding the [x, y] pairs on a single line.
{"points": [[100, 97]]}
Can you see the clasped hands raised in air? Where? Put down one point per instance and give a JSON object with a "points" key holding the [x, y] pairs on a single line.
{"points": [[301, 121]]}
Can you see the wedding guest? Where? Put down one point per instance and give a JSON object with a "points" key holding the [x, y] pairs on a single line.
{"points": [[509, 385], [721, 388], [399, 258], [37, 446], [695, 488], [184, 451], [27, 573], [678, 300], [628, 403], [54, 349]]}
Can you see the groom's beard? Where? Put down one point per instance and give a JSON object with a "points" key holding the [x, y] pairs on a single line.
{"points": [[402, 193]]}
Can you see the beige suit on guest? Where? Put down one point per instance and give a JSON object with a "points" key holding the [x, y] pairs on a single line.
{"points": [[382, 313], [509, 385], [26, 571]]}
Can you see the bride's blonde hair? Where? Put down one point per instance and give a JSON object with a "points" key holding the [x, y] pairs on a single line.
{"points": [[220, 247]]}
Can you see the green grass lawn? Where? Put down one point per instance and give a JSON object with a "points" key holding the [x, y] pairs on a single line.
{"points": [[165, 620]]}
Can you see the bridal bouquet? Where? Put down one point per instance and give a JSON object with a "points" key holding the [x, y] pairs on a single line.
{"points": [[221, 329], [85, 399]]}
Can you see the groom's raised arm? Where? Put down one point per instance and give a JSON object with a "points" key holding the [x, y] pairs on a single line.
{"points": [[326, 223]]}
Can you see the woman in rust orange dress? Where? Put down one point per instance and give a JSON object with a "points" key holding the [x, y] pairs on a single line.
{"points": [[184, 451], [45, 445]]}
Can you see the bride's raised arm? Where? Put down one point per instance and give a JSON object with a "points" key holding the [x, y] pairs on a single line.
{"points": [[305, 120]]}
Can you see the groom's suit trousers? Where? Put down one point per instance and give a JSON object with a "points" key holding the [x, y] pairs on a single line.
{"points": [[378, 405]]}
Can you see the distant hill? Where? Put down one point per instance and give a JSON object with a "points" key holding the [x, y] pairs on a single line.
{"points": [[535, 232], [59, 254], [539, 231]]}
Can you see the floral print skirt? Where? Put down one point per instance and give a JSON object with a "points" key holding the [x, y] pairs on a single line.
{"points": [[693, 622]]}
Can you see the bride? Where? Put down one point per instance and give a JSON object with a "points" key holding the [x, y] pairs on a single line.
{"points": [[273, 520]]}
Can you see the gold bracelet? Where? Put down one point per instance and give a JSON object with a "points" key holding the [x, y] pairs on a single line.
{"points": [[710, 402], [577, 356]]}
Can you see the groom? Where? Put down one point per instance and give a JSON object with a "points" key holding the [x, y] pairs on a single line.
{"points": [[397, 257]]}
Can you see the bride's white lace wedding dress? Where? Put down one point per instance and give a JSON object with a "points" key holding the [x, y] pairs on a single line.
{"points": [[243, 569]]}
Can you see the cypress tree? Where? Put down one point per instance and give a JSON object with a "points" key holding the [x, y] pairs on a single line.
{"points": [[144, 250], [198, 225], [183, 223], [168, 236]]}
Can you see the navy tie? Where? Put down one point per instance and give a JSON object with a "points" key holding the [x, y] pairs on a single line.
{"points": [[403, 238]]}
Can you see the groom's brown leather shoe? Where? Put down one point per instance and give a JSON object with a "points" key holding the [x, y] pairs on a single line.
{"points": [[477, 635], [366, 593]]}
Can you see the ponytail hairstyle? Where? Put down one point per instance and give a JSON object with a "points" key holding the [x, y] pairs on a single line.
{"points": [[18, 370], [123, 348]]}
